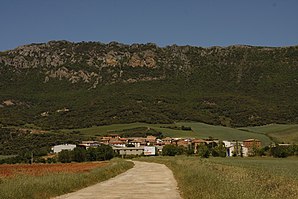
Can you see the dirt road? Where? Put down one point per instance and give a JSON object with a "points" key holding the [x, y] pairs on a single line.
{"points": [[144, 180]]}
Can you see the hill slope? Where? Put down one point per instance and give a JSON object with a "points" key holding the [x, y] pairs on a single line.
{"points": [[278, 132], [61, 84], [198, 130]]}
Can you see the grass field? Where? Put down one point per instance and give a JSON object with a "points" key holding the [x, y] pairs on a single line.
{"points": [[199, 130], [244, 178], [278, 132], [47, 185]]}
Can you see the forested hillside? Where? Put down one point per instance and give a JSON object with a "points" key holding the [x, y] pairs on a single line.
{"points": [[61, 84]]}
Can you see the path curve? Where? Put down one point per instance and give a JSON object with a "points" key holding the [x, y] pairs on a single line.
{"points": [[144, 180]]}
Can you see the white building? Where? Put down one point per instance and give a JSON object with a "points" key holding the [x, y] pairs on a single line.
{"points": [[129, 150], [88, 144], [59, 148], [235, 147], [149, 150]]}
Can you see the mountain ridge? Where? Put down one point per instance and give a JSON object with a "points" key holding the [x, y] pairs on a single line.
{"points": [[112, 83]]}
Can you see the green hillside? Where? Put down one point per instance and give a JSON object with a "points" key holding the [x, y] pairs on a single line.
{"points": [[280, 133], [199, 130], [65, 85]]}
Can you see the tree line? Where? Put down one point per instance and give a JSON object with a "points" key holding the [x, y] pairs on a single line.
{"points": [[79, 154], [219, 150]]}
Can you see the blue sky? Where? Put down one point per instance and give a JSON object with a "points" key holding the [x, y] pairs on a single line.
{"points": [[164, 22]]}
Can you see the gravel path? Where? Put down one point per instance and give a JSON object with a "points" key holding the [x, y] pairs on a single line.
{"points": [[144, 180]]}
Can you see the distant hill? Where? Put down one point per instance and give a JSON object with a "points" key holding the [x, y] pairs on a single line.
{"points": [[61, 84]]}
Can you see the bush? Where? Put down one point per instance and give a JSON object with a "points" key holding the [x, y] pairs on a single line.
{"points": [[79, 154], [189, 151], [65, 156], [51, 160], [219, 151], [203, 151], [169, 150], [279, 152], [103, 152]]}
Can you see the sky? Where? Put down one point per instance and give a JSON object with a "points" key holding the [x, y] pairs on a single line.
{"points": [[164, 22]]}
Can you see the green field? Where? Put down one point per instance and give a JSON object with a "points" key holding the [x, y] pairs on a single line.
{"points": [[199, 130], [233, 177], [278, 132], [224, 133]]}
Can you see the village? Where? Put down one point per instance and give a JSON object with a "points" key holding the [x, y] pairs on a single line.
{"points": [[152, 146]]}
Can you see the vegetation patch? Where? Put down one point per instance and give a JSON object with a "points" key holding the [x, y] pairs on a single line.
{"points": [[198, 130], [13, 170], [50, 185], [137, 132], [280, 133], [233, 177], [89, 84]]}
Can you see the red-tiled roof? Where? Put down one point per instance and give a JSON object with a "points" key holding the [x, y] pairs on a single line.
{"points": [[198, 141]]}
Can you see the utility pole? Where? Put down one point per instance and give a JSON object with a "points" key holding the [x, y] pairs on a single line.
{"points": [[31, 157]]}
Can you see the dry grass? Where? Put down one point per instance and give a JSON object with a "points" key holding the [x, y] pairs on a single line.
{"points": [[49, 185], [232, 177]]}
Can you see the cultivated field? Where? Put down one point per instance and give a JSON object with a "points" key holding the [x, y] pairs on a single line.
{"points": [[199, 130], [13, 170], [244, 178], [46, 181], [278, 132], [225, 133]]}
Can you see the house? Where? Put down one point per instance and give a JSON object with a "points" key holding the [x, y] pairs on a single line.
{"points": [[140, 140], [59, 148], [196, 143], [167, 140], [235, 148], [136, 143], [252, 143], [129, 150], [105, 140], [124, 139], [150, 140], [88, 144], [183, 142], [118, 143]]}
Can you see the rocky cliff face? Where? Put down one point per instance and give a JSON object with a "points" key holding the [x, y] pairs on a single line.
{"points": [[92, 63], [116, 83], [96, 63]]}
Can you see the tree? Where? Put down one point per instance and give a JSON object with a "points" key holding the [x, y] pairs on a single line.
{"points": [[219, 150], [189, 150], [203, 151], [105, 152], [79, 154], [180, 150], [91, 154], [65, 156], [169, 150], [279, 152]]}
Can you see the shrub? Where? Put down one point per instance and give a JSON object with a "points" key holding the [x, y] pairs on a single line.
{"points": [[65, 156], [279, 152], [79, 154], [203, 151], [169, 150], [219, 151]]}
